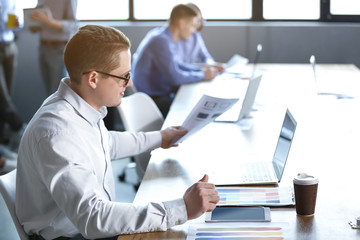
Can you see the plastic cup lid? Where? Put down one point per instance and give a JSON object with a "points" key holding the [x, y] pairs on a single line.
{"points": [[305, 179]]}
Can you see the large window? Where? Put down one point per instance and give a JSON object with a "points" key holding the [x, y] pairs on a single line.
{"points": [[103, 10], [211, 9], [223, 10], [345, 7], [291, 9]]}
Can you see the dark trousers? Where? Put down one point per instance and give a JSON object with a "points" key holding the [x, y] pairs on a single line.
{"points": [[8, 64]]}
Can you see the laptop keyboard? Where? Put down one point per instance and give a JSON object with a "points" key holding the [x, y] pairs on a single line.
{"points": [[257, 171]]}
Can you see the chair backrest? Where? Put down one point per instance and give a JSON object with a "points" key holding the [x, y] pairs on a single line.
{"points": [[7, 190], [140, 113]]}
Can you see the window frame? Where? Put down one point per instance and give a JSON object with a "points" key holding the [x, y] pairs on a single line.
{"points": [[326, 15]]}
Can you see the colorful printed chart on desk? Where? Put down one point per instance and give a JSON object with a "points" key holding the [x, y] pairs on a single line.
{"points": [[256, 196], [238, 231]]}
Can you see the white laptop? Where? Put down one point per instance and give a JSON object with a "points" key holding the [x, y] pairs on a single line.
{"points": [[265, 172], [242, 109]]}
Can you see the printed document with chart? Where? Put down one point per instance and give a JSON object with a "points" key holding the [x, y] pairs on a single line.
{"points": [[205, 111]]}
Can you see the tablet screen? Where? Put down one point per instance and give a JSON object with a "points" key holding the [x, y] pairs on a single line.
{"points": [[238, 214]]}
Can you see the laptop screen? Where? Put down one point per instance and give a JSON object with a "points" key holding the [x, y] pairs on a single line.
{"points": [[283, 145]]}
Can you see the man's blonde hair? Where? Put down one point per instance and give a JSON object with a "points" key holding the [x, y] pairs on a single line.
{"points": [[94, 47]]}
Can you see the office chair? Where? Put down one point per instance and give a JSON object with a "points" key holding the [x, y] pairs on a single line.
{"points": [[139, 112], [7, 190]]}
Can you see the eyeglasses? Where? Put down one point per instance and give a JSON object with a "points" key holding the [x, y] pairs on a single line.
{"points": [[126, 78]]}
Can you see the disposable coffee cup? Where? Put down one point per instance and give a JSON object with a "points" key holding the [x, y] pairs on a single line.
{"points": [[305, 188], [11, 22]]}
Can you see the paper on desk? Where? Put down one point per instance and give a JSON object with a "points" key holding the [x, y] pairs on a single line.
{"points": [[256, 196], [236, 66], [205, 111], [243, 230], [236, 61]]}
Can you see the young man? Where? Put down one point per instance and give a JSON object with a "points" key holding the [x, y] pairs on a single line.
{"points": [[65, 185], [193, 50], [157, 69]]}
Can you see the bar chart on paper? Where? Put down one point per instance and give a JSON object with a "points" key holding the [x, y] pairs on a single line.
{"points": [[255, 196], [238, 231]]}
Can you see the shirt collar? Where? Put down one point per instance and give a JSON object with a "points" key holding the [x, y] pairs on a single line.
{"points": [[79, 104]]}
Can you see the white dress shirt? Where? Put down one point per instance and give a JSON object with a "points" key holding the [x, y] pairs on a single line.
{"points": [[65, 183]]}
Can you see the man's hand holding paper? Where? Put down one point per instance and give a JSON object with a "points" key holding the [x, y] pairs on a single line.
{"points": [[170, 135], [205, 111]]}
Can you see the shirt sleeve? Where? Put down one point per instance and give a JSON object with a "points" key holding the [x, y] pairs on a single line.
{"points": [[73, 184], [177, 213], [189, 66], [135, 143]]}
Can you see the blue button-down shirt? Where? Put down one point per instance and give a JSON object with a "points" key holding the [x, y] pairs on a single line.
{"points": [[194, 50], [157, 69]]}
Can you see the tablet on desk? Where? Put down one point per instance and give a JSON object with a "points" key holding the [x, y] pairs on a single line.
{"points": [[239, 214]]}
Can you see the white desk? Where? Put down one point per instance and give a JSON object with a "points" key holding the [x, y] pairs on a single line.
{"points": [[326, 144]]}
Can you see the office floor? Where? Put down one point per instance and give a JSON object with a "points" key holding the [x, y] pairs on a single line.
{"points": [[124, 193]]}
